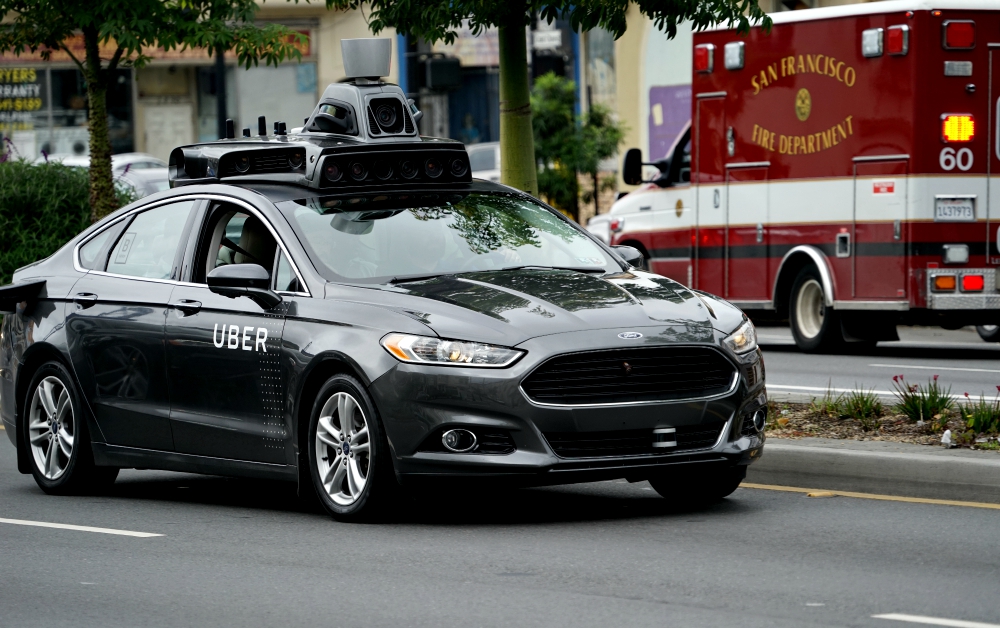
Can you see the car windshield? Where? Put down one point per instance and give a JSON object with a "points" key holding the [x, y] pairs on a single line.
{"points": [[380, 238]]}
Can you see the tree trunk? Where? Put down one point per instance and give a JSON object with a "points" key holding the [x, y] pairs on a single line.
{"points": [[597, 191], [102, 191], [517, 143]]}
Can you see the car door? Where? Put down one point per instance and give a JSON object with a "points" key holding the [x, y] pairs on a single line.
{"points": [[115, 323], [223, 354]]}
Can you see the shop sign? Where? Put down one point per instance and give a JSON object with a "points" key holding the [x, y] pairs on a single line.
{"points": [[20, 97], [75, 45]]}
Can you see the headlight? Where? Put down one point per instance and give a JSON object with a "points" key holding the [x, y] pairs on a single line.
{"points": [[743, 339], [425, 350]]}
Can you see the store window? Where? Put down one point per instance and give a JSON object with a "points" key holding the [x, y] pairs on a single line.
{"points": [[44, 111]]}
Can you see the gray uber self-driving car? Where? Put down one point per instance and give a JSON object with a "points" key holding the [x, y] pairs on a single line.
{"points": [[344, 307]]}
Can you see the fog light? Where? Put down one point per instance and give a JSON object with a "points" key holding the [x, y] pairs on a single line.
{"points": [[759, 419], [458, 441], [972, 283]]}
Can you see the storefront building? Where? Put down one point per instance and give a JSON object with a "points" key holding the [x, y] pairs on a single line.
{"points": [[172, 100]]}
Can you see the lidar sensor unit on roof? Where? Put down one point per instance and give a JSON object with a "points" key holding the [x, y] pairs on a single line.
{"points": [[363, 106]]}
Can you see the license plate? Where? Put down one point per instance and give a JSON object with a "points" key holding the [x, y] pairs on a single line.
{"points": [[955, 210]]}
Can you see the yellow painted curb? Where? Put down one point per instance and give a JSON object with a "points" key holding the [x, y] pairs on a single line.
{"points": [[812, 492]]}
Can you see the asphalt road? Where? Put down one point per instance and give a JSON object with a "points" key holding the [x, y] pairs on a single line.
{"points": [[248, 553], [960, 358]]}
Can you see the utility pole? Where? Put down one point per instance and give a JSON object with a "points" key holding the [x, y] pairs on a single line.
{"points": [[220, 89]]}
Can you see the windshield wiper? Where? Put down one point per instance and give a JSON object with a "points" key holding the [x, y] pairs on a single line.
{"points": [[579, 269], [421, 277]]}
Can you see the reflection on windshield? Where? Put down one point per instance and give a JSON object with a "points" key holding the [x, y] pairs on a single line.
{"points": [[382, 237]]}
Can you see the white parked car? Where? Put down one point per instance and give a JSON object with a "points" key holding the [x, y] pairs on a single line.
{"points": [[484, 161], [142, 173]]}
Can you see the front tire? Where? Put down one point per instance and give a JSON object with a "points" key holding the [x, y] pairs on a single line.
{"points": [[815, 327], [56, 437], [349, 458], [989, 333], [701, 489]]}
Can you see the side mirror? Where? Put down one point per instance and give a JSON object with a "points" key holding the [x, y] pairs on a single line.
{"points": [[631, 255], [244, 280], [632, 167]]}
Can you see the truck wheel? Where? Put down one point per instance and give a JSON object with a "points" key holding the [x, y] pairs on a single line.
{"points": [[349, 458], [815, 327], [989, 333], [55, 435], [703, 489]]}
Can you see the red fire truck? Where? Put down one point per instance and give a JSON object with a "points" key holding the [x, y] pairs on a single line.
{"points": [[840, 170]]}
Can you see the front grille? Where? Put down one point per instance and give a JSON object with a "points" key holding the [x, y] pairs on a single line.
{"points": [[407, 123], [630, 375], [631, 442]]}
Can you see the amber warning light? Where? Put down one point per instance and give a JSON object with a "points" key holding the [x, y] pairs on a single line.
{"points": [[957, 128]]}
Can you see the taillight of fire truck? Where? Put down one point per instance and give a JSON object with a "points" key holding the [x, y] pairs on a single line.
{"points": [[959, 35], [897, 39], [704, 58], [957, 127]]}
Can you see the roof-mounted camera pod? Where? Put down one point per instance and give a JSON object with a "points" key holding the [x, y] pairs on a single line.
{"points": [[336, 148], [363, 106]]}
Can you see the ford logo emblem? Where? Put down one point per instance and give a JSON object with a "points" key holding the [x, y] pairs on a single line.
{"points": [[629, 335]]}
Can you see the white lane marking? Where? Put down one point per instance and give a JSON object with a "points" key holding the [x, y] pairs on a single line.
{"points": [[897, 343], [67, 526], [815, 604], [933, 368], [825, 388], [935, 621]]}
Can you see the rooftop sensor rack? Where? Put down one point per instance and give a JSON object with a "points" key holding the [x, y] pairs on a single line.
{"points": [[361, 133]]}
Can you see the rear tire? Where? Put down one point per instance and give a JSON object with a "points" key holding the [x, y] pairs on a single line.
{"points": [[350, 462], [56, 437], [701, 489], [989, 333], [815, 327]]}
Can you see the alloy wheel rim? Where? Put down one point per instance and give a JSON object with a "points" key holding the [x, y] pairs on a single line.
{"points": [[810, 309], [51, 428], [343, 452]]}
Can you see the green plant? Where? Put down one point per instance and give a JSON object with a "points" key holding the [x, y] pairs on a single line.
{"points": [[41, 207], [982, 416], [567, 145], [930, 404], [827, 404], [863, 406]]}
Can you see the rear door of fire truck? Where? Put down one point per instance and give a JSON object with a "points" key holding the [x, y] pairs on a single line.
{"points": [[879, 250], [993, 160]]}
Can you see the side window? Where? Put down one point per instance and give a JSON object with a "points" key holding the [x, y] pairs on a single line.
{"points": [[94, 254], [284, 277], [680, 163], [149, 245], [233, 236]]}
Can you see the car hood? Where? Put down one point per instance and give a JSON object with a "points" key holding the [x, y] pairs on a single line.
{"points": [[509, 307]]}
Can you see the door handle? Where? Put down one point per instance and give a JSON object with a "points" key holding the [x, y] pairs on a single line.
{"points": [[187, 306], [85, 299]]}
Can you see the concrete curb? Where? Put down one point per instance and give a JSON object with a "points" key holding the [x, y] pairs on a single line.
{"points": [[880, 467]]}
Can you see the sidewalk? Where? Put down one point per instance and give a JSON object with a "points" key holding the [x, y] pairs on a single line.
{"points": [[880, 467]]}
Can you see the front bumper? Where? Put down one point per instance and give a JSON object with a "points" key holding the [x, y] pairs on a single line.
{"points": [[417, 403]]}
